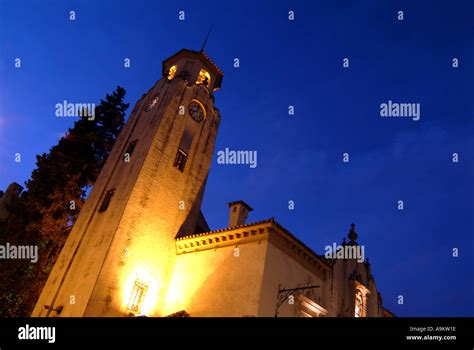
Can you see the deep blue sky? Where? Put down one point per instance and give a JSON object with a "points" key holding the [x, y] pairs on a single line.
{"points": [[299, 157]]}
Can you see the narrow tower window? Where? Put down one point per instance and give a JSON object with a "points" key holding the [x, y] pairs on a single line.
{"points": [[204, 78], [172, 72], [180, 160], [106, 200], [128, 152], [151, 104]]}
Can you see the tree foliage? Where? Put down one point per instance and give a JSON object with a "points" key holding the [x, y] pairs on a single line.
{"points": [[54, 195]]}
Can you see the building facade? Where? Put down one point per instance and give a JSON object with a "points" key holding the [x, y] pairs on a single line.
{"points": [[141, 245]]}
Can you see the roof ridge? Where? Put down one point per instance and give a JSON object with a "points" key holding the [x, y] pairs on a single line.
{"points": [[226, 229], [269, 220]]}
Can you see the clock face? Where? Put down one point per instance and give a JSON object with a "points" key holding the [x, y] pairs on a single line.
{"points": [[196, 111]]}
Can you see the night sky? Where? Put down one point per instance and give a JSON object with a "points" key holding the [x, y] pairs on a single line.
{"points": [[284, 63]]}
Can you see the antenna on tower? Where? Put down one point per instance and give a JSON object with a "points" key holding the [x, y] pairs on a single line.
{"points": [[205, 40]]}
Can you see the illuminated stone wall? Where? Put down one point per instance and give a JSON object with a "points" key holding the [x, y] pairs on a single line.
{"points": [[237, 272], [286, 269], [210, 279], [153, 201], [223, 281]]}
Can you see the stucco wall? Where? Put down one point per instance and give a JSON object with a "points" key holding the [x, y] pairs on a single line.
{"points": [[281, 268], [215, 282]]}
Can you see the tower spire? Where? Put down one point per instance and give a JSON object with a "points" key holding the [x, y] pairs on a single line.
{"points": [[205, 40], [352, 234]]}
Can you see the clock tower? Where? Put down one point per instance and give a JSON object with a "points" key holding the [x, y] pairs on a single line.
{"points": [[121, 251]]}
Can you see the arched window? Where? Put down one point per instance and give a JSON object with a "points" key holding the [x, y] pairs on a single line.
{"points": [[204, 78], [172, 72]]}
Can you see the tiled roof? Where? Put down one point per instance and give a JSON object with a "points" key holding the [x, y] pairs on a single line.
{"points": [[210, 61], [225, 229]]}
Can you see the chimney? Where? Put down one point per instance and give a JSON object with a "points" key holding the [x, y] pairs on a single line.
{"points": [[239, 211]]}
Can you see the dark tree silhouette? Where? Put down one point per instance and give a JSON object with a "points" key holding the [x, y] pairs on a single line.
{"points": [[46, 211]]}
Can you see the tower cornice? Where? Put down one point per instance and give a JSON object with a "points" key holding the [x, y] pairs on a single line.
{"points": [[197, 55]]}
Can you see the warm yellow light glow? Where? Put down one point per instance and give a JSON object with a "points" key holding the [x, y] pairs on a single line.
{"points": [[137, 296], [140, 293], [184, 286], [172, 72], [204, 78], [359, 304]]}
